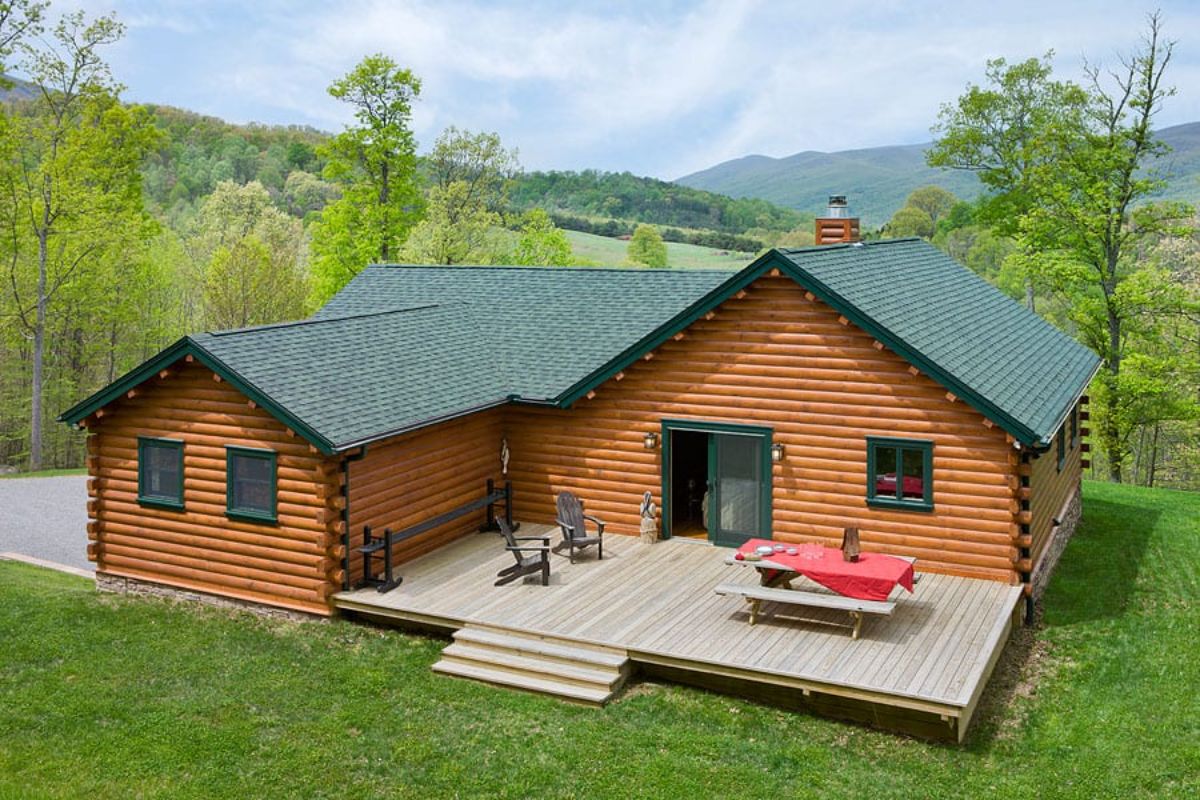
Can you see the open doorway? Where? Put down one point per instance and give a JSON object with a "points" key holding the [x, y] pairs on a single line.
{"points": [[689, 484], [716, 481]]}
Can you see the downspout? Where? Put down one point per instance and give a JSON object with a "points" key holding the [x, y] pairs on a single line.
{"points": [[359, 456]]}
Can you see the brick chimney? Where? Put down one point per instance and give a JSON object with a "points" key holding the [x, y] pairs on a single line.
{"points": [[837, 226]]}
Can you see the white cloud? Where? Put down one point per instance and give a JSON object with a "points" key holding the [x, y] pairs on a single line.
{"points": [[654, 87]]}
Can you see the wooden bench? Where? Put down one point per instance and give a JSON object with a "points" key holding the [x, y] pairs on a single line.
{"points": [[757, 595]]}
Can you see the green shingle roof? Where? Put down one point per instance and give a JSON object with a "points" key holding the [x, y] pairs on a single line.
{"points": [[1018, 368], [362, 376], [547, 328], [402, 347]]}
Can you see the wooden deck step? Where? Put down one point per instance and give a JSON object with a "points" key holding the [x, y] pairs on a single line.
{"points": [[543, 646], [588, 675], [556, 670]]}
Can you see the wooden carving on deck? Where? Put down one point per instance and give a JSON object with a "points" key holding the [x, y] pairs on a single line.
{"points": [[649, 512]]}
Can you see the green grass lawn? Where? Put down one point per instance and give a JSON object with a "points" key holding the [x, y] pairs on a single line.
{"points": [[103, 696], [609, 252]]}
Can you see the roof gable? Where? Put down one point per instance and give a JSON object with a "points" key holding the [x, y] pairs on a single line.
{"points": [[182, 349], [1013, 366]]}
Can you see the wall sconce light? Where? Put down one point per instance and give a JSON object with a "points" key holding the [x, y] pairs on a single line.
{"points": [[777, 452], [650, 440]]}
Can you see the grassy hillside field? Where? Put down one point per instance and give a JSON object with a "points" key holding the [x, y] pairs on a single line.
{"points": [[112, 697], [607, 252]]}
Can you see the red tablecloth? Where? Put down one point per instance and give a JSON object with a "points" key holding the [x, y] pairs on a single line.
{"points": [[872, 577]]}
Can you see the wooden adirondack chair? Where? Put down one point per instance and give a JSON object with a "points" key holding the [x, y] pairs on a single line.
{"points": [[530, 559], [573, 522]]}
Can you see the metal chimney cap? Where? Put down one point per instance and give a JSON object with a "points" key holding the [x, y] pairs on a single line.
{"points": [[838, 207]]}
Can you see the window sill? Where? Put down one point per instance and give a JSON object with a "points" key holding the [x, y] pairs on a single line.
{"points": [[167, 505], [252, 516], [903, 505]]}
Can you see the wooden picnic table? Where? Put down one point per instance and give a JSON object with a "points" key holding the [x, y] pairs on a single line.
{"points": [[861, 587]]}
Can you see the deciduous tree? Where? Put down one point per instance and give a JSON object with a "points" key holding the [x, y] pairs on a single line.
{"points": [[72, 181], [249, 259], [540, 243], [455, 230], [374, 161], [646, 247], [1070, 169]]}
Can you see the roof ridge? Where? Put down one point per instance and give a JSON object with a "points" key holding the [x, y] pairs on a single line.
{"points": [[829, 248], [638, 270], [318, 320]]}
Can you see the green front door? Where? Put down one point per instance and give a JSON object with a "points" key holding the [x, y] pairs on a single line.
{"points": [[738, 492]]}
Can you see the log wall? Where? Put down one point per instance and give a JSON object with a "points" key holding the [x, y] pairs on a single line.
{"points": [[292, 564], [772, 356], [1051, 488], [776, 356], [417, 476]]}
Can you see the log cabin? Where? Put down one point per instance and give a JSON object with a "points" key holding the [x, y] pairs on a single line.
{"points": [[880, 385]]}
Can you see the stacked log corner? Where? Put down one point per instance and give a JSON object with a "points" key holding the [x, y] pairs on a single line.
{"points": [[291, 564], [776, 356], [1052, 492]]}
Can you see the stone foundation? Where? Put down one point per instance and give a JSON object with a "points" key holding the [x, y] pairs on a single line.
{"points": [[118, 584], [1059, 536]]}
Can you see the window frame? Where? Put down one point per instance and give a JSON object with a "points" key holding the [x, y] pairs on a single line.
{"points": [[145, 443], [1060, 443], [251, 514], [1074, 426], [925, 448]]}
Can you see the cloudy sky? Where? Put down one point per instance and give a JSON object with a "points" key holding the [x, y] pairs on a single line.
{"points": [[657, 88]]}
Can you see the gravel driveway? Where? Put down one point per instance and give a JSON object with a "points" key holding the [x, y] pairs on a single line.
{"points": [[46, 518]]}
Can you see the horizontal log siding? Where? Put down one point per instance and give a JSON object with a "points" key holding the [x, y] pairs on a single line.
{"points": [[293, 564], [411, 478], [1050, 489], [776, 358]]}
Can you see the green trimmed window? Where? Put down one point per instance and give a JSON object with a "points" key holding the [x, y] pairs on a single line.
{"points": [[160, 472], [250, 484], [1074, 427], [1061, 444], [900, 473]]}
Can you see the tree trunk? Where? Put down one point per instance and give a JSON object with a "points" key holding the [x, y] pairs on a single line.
{"points": [[1153, 456], [384, 196], [1137, 457], [1029, 298], [39, 348], [1110, 433], [112, 353]]}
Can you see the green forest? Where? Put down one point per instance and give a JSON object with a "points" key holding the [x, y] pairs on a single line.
{"points": [[125, 226]]}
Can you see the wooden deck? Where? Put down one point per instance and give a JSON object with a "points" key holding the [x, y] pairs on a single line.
{"points": [[921, 670]]}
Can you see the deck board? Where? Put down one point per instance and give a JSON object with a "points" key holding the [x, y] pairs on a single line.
{"points": [[658, 601]]}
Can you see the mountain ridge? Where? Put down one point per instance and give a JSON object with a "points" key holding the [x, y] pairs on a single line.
{"points": [[878, 179]]}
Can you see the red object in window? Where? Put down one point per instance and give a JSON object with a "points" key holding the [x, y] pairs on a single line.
{"points": [[872, 577], [885, 486]]}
